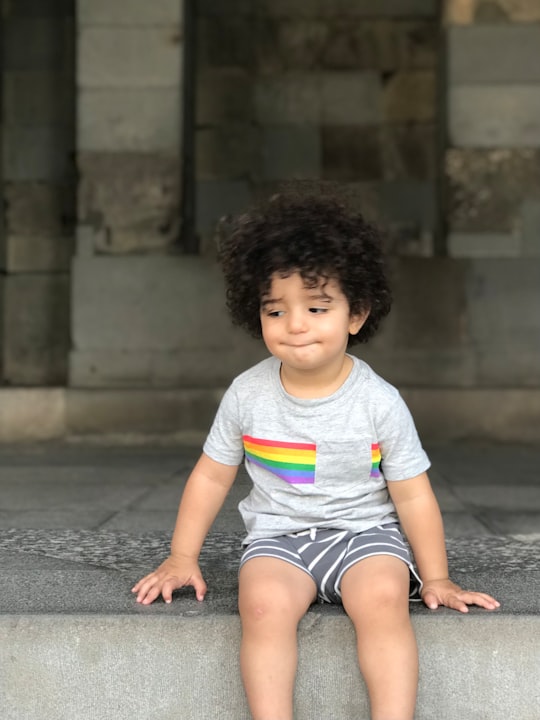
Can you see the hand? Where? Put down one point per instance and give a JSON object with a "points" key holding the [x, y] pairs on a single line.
{"points": [[172, 574], [445, 592]]}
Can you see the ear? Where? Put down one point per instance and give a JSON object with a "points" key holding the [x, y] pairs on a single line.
{"points": [[357, 321]]}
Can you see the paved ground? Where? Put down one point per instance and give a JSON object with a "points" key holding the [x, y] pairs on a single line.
{"points": [[483, 490]]}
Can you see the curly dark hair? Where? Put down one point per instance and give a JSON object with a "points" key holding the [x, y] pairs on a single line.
{"points": [[315, 236]]}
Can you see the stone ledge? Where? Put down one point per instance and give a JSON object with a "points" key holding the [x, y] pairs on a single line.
{"points": [[69, 621]]}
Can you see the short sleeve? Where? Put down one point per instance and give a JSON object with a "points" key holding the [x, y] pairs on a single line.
{"points": [[224, 441], [402, 454]]}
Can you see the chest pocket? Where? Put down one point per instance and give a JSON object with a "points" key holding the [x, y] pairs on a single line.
{"points": [[346, 463]]}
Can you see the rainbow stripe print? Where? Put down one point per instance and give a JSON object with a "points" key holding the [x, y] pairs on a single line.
{"points": [[292, 462], [375, 461]]}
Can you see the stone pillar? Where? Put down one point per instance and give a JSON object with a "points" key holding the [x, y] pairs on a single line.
{"points": [[38, 189], [128, 82]]}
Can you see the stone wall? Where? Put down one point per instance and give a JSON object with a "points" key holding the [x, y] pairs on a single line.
{"points": [[328, 93], [38, 189]]}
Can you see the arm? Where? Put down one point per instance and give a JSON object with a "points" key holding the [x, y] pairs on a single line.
{"points": [[422, 524], [202, 499]]}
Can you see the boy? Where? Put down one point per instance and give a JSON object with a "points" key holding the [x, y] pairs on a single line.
{"points": [[338, 471]]}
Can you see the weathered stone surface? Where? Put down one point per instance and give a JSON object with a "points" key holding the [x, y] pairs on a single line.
{"points": [[38, 8], [465, 12], [504, 320], [384, 45], [38, 152], [410, 97], [37, 253], [224, 96], [38, 43], [409, 151], [351, 98], [136, 12], [293, 98], [36, 329], [484, 245], [290, 151], [225, 41], [351, 153], [133, 196], [227, 152], [38, 98], [475, 55], [39, 208], [129, 119], [490, 116], [530, 228], [216, 198], [486, 188], [391, 8], [110, 56], [419, 320], [289, 44]]}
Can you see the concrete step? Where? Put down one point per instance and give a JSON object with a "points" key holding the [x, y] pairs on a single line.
{"points": [[74, 644]]}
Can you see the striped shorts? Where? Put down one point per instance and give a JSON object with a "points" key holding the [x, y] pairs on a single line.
{"points": [[326, 555]]}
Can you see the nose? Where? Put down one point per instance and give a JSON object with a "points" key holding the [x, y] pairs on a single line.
{"points": [[296, 321]]}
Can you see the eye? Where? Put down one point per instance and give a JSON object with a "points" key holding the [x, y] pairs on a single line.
{"points": [[274, 313], [317, 311]]}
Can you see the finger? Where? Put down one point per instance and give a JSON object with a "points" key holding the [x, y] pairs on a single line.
{"points": [[139, 583], [481, 599], [200, 588], [431, 600]]}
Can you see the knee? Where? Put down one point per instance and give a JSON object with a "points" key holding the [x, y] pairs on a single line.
{"points": [[257, 608]]}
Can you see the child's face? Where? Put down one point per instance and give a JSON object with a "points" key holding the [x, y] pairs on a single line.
{"points": [[307, 328]]}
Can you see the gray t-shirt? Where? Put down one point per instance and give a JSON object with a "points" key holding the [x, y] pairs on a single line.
{"points": [[321, 463]]}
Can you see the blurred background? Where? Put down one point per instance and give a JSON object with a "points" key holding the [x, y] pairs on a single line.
{"points": [[129, 128]]}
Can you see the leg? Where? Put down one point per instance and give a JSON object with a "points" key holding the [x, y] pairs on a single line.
{"points": [[273, 596], [375, 596]]}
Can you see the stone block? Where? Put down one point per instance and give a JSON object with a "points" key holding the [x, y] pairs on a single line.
{"points": [[409, 151], [226, 7], [530, 228], [131, 199], [129, 119], [292, 151], [132, 12], [38, 152], [351, 98], [32, 414], [483, 245], [290, 44], [410, 97], [226, 40], [38, 208], [351, 153], [38, 98], [37, 253], [504, 320], [38, 8], [486, 188], [490, 117], [475, 55], [42, 43], [36, 329], [124, 57], [217, 198], [380, 44], [465, 12], [229, 152], [291, 99], [430, 306], [383, 8], [410, 202], [224, 96]]}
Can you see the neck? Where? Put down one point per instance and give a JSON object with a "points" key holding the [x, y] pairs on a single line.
{"points": [[317, 383]]}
